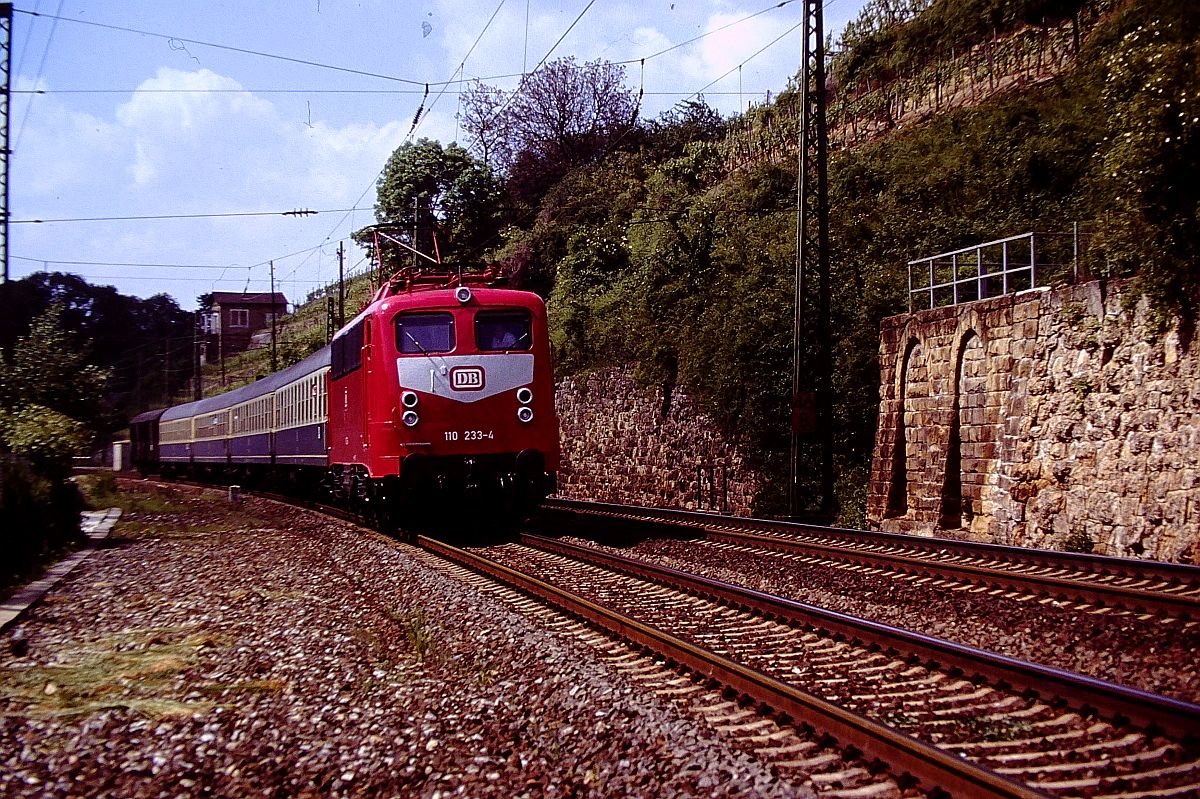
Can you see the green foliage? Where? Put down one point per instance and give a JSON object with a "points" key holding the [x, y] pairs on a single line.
{"points": [[50, 410], [100, 489], [1078, 541], [562, 116], [439, 191], [418, 631], [689, 123], [47, 368], [694, 288], [46, 438], [890, 37], [1149, 163]]}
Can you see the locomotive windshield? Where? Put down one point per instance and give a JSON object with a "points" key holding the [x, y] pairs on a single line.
{"points": [[503, 330], [419, 333]]}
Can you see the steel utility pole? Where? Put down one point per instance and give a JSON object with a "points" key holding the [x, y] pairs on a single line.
{"points": [[274, 310], [341, 317], [812, 417], [5, 110], [197, 385]]}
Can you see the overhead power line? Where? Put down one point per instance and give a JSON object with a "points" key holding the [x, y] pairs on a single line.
{"points": [[757, 53], [298, 212], [294, 91], [58, 262], [41, 69], [708, 33], [226, 47]]}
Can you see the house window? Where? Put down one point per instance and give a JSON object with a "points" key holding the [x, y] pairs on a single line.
{"points": [[239, 317]]}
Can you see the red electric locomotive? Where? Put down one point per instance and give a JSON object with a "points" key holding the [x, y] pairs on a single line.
{"points": [[441, 394]]}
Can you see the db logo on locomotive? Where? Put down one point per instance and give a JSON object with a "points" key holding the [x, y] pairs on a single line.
{"points": [[466, 378]]}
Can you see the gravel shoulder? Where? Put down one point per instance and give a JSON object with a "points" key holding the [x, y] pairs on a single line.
{"points": [[212, 650]]}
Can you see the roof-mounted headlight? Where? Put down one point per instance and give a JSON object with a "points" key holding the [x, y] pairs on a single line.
{"points": [[462, 294]]}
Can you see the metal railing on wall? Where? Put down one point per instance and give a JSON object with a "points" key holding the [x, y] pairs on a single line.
{"points": [[995, 268]]}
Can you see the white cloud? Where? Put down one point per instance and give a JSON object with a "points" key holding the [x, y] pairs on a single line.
{"points": [[194, 152], [50, 131]]}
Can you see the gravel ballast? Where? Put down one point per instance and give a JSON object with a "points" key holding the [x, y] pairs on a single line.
{"points": [[213, 650]]}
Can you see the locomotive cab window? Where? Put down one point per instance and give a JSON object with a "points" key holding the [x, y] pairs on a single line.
{"points": [[503, 330], [347, 351], [423, 333]]}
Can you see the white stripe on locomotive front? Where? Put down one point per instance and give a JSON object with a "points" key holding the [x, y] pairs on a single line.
{"points": [[501, 373]]}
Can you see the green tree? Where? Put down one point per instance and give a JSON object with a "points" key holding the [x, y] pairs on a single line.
{"points": [[49, 370], [146, 344], [447, 196], [561, 117]]}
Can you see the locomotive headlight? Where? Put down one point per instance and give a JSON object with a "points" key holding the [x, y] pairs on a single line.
{"points": [[409, 399], [525, 414], [410, 418], [462, 294], [524, 395]]}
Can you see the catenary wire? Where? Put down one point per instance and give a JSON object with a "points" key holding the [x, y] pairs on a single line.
{"points": [[37, 80], [243, 50]]}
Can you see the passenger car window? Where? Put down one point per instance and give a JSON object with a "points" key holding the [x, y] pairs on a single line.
{"points": [[503, 330], [424, 333]]}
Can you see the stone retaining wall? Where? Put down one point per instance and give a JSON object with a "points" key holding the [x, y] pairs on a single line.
{"points": [[626, 444], [1051, 418]]}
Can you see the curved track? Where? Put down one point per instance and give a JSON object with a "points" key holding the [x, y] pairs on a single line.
{"points": [[1092, 582]]}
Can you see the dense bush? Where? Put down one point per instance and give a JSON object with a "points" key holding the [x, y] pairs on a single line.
{"points": [[39, 518], [46, 388], [46, 439]]}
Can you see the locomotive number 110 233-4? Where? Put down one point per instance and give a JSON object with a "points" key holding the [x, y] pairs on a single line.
{"points": [[469, 435]]}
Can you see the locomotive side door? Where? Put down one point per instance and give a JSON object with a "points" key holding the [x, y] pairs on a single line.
{"points": [[368, 368]]}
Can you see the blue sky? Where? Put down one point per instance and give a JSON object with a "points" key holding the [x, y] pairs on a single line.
{"points": [[142, 115]]}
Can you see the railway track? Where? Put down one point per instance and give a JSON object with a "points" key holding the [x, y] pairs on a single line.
{"points": [[857, 708], [1094, 583], [957, 719]]}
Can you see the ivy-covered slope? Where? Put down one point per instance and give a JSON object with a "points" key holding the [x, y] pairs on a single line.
{"points": [[669, 260]]}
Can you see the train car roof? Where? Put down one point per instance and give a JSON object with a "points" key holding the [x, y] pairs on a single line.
{"points": [[148, 416], [313, 363], [443, 299]]}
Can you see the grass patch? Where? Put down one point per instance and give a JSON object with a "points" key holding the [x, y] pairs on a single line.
{"points": [[101, 490], [417, 630], [249, 687], [135, 670]]}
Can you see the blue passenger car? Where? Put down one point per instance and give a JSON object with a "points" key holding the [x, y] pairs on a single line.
{"points": [[278, 420]]}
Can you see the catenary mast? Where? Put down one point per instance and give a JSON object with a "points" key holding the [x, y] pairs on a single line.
{"points": [[812, 417]]}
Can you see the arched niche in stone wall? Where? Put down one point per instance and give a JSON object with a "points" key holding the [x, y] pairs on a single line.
{"points": [[970, 449], [912, 388]]}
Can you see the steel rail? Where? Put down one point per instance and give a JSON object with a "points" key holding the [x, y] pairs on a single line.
{"points": [[931, 766], [1062, 587], [1114, 702], [774, 535]]}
